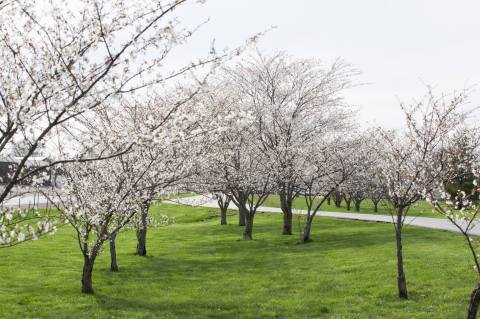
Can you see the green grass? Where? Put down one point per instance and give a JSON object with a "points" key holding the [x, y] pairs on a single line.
{"points": [[421, 208], [199, 269]]}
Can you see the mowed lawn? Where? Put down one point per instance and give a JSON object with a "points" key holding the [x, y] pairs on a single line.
{"points": [[199, 269], [421, 208]]}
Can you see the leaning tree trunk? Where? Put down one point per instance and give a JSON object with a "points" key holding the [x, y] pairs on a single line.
{"points": [[401, 278], [306, 230], [474, 303], [88, 263], [113, 254], [248, 232], [142, 232], [286, 204]]}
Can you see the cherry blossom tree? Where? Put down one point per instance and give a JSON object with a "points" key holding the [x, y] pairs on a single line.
{"points": [[462, 210], [246, 176], [173, 126], [98, 201], [356, 189], [221, 105], [234, 164], [413, 161], [61, 61], [250, 183], [376, 190], [363, 182], [338, 197], [101, 198], [223, 202], [326, 169], [292, 100]]}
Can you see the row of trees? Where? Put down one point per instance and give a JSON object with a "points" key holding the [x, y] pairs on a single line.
{"points": [[87, 84], [297, 138]]}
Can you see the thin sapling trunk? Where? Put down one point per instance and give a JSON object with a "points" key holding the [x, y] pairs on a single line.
{"points": [[401, 278]]}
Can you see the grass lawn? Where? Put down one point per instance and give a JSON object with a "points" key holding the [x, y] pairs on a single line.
{"points": [[199, 269], [421, 208]]}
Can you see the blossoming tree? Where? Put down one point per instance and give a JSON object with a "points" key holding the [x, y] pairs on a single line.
{"points": [[413, 161], [462, 210], [62, 60], [292, 101], [330, 163]]}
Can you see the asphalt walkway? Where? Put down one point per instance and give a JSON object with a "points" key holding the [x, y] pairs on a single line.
{"points": [[427, 222]]}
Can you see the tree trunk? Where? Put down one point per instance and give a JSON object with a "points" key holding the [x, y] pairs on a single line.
{"points": [[142, 233], [306, 230], [88, 263], [338, 199], [223, 202], [357, 205], [287, 222], [348, 202], [328, 201], [223, 215], [241, 216], [286, 203], [375, 207], [474, 303], [401, 279], [113, 254], [248, 233]]}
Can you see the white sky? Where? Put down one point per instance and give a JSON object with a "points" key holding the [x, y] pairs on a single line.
{"points": [[398, 45]]}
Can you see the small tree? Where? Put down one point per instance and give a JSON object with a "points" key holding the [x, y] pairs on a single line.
{"points": [[234, 163], [170, 127], [413, 161], [338, 197], [362, 182], [461, 210], [98, 200], [247, 179], [376, 190], [223, 201], [326, 170]]}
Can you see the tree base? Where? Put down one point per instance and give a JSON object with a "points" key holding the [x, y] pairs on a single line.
{"points": [[474, 303], [87, 290]]}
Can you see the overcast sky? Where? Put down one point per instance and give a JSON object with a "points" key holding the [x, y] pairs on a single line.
{"points": [[398, 45]]}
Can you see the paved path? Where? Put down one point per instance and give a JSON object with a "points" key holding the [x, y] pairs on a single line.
{"points": [[428, 222]]}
